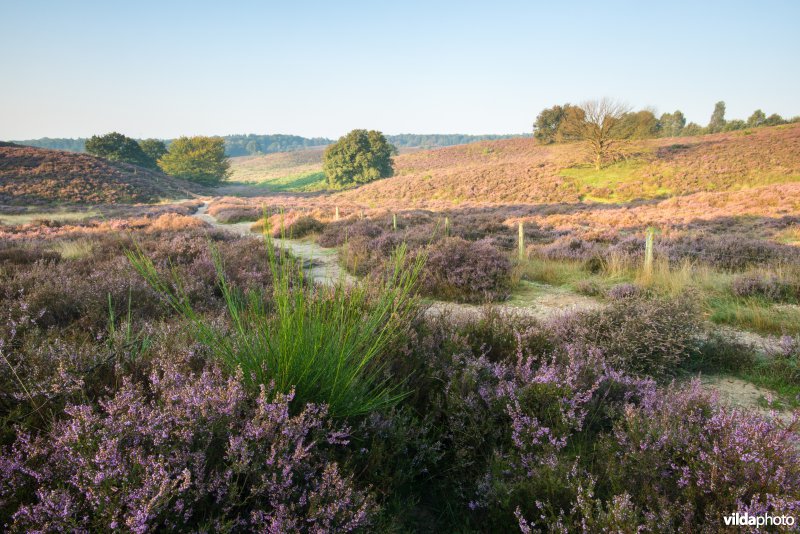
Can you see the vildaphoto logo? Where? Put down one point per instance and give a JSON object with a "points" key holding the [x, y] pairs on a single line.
{"points": [[747, 520]]}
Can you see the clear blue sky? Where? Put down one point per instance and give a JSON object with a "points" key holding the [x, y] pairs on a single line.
{"points": [[167, 68]]}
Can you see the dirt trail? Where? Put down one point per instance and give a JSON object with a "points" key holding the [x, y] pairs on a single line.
{"points": [[322, 265]]}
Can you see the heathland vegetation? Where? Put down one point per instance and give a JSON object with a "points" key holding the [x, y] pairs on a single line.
{"points": [[520, 338]]}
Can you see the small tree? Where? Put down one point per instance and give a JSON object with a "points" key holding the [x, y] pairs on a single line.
{"points": [[117, 147], [154, 150], [547, 124], [672, 124], [693, 129], [756, 119], [774, 120], [359, 157], [639, 125], [599, 123], [199, 159], [717, 122]]}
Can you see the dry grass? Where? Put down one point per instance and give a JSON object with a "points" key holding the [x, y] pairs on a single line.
{"points": [[59, 216], [71, 250]]}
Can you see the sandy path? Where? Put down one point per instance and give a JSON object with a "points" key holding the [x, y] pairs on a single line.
{"points": [[322, 265]]}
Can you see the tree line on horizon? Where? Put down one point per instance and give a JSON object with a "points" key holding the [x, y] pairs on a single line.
{"points": [[604, 125], [556, 124], [255, 144]]}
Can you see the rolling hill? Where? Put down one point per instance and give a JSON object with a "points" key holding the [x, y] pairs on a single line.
{"points": [[519, 171], [39, 176]]}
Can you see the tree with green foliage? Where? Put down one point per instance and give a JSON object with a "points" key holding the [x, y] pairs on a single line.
{"points": [[198, 159], [756, 119], [359, 157], [117, 147], [693, 129], [154, 149], [774, 120], [733, 125], [639, 125], [717, 122], [672, 124], [599, 123], [547, 127]]}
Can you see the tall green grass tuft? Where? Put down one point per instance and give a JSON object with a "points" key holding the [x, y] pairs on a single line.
{"points": [[328, 344]]}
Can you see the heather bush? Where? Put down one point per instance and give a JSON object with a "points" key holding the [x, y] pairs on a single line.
{"points": [[182, 451], [624, 291], [292, 225], [571, 248], [237, 214], [684, 456], [643, 337], [304, 226], [589, 288], [500, 335], [467, 271], [85, 289], [768, 287], [727, 251], [338, 233]]}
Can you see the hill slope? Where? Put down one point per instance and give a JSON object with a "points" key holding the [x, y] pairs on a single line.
{"points": [[34, 176], [520, 171]]}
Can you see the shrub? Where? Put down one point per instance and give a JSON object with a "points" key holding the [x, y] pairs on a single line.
{"points": [[467, 271], [727, 251], [589, 288], [637, 336], [571, 249], [304, 226], [767, 287], [624, 291], [237, 214], [684, 456], [182, 451], [338, 233], [292, 225]]}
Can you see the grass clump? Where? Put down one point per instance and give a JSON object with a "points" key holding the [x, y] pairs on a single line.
{"points": [[780, 371], [325, 344]]}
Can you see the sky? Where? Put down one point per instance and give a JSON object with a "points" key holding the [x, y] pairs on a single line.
{"points": [[167, 68]]}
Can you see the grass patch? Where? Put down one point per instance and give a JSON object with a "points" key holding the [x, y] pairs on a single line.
{"points": [[327, 345], [304, 182], [779, 373], [70, 250], [754, 314], [61, 216], [712, 288], [606, 184]]}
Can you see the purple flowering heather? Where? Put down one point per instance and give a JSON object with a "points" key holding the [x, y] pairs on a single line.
{"points": [[183, 451]]}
